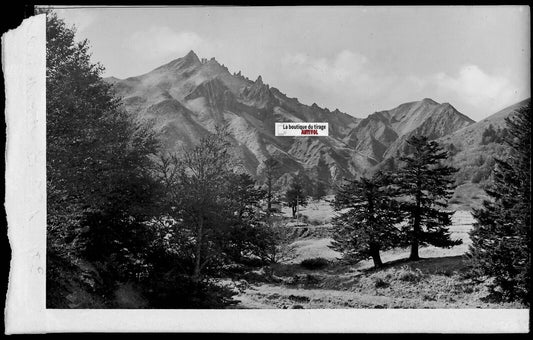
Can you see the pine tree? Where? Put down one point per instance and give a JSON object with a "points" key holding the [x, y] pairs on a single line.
{"points": [[296, 195], [369, 224], [244, 216], [502, 233], [319, 190], [426, 184]]}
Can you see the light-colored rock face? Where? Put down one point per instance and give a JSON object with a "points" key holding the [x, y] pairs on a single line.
{"points": [[186, 98]]}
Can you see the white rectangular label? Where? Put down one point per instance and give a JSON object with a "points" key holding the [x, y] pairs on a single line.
{"points": [[302, 129]]}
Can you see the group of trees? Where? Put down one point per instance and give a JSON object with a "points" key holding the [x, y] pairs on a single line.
{"points": [[299, 190], [491, 135], [99, 190], [396, 209], [407, 207], [168, 223]]}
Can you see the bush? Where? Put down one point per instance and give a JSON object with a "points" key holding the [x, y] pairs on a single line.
{"points": [[409, 275], [303, 218], [379, 282], [315, 222], [315, 263]]}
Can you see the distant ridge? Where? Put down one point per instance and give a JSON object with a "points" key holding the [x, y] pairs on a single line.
{"points": [[187, 97]]}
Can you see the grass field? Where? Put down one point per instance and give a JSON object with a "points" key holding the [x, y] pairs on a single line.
{"points": [[436, 281]]}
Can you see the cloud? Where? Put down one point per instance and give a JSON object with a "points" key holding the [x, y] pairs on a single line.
{"points": [[347, 69], [352, 82], [476, 87], [159, 42], [349, 81]]}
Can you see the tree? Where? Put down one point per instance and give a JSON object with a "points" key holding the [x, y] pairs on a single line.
{"points": [[426, 185], [319, 190], [452, 149], [99, 190], [216, 213], [277, 242], [367, 219], [201, 178], [295, 195], [270, 172], [502, 232], [246, 219]]}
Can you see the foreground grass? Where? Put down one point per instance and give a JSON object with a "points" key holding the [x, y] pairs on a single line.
{"points": [[435, 281], [428, 283]]}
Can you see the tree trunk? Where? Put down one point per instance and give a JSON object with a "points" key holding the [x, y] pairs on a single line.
{"points": [[269, 197], [376, 258], [293, 212], [416, 226], [414, 241], [414, 250], [374, 252], [198, 259]]}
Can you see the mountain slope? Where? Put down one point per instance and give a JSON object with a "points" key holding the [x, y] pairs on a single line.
{"points": [[471, 135], [187, 98], [474, 147], [384, 134]]}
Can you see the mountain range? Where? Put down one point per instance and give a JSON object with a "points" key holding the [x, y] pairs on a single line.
{"points": [[187, 98]]}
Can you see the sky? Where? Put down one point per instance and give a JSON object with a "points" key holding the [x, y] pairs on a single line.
{"points": [[357, 59]]}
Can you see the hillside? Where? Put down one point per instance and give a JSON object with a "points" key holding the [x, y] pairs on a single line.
{"points": [[471, 136], [186, 98], [383, 134], [474, 147]]}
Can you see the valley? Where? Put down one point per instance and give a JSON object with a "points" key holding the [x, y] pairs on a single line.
{"points": [[435, 281]]}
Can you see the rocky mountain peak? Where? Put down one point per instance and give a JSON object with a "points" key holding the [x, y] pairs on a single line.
{"points": [[191, 56], [189, 96], [429, 101], [191, 59]]}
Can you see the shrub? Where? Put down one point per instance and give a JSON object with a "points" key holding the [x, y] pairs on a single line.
{"points": [[379, 282], [314, 263], [409, 275], [315, 222], [303, 218]]}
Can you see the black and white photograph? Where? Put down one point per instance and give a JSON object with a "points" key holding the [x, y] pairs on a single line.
{"points": [[287, 158]]}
